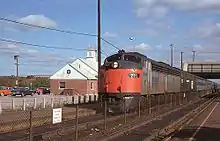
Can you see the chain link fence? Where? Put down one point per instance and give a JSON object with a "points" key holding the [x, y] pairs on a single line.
{"points": [[80, 121]]}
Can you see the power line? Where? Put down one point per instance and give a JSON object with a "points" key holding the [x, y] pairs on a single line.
{"points": [[48, 28], [58, 30], [43, 46], [36, 45], [208, 52], [110, 43]]}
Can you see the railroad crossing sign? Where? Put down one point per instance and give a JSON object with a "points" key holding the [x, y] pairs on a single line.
{"points": [[57, 115]]}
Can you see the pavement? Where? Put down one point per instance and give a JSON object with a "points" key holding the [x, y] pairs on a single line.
{"points": [[206, 127]]}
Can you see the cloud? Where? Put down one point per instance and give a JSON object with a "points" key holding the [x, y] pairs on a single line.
{"points": [[160, 8], [208, 32], [110, 35], [39, 20], [198, 47], [8, 49], [143, 47], [205, 29], [146, 32]]}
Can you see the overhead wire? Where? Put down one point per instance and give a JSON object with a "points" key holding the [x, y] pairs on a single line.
{"points": [[58, 30], [43, 46]]}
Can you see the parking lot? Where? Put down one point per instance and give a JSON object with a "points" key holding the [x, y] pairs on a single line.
{"points": [[35, 101]]}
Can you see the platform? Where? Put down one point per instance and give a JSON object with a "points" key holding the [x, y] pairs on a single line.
{"points": [[204, 128]]}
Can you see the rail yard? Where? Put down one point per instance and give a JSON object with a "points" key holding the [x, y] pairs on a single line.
{"points": [[139, 99]]}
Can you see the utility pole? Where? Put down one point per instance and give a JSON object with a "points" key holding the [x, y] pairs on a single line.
{"points": [[16, 64], [194, 55], [181, 60], [171, 57], [99, 41]]}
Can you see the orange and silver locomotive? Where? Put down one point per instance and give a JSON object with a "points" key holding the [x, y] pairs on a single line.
{"points": [[121, 80], [128, 76]]}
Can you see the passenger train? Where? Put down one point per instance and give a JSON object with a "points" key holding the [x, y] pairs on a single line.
{"points": [[130, 75]]}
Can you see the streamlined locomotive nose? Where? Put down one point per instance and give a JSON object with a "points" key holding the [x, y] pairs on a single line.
{"points": [[122, 81]]}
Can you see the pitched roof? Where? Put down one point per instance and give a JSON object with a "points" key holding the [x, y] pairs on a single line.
{"points": [[78, 71], [90, 69]]}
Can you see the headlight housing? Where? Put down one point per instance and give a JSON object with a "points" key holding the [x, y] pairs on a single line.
{"points": [[115, 65]]}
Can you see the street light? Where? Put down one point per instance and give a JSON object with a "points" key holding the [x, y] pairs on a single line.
{"points": [[171, 54], [16, 63], [181, 60], [132, 39], [194, 55]]}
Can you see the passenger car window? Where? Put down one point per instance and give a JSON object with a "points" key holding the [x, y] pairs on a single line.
{"points": [[132, 58]]}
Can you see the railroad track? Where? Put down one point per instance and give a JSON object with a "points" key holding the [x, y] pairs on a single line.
{"points": [[136, 124], [169, 130], [67, 128], [113, 125], [47, 131]]}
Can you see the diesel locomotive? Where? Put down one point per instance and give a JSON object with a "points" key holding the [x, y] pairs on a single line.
{"points": [[127, 76]]}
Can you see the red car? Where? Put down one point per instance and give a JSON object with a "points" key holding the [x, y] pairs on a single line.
{"points": [[4, 91], [43, 90]]}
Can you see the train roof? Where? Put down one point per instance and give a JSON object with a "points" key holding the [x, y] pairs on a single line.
{"points": [[160, 66]]}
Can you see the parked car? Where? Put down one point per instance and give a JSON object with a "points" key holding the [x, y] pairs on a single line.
{"points": [[21, 92], [43, 90], [4, 91]]}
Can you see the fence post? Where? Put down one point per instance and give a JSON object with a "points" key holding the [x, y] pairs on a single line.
{"points": [[24, 104], [60, 102], [35, 103], [124, 109], [52, 102], [171, 100], [30, 128], [158, 103], [44, 103], [139, 107], [105, 114], [76, 124], [150, 104], [13, 104], [0, 107]]}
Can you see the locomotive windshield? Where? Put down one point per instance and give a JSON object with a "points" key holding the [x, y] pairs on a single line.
{"points": [[115, 57], [132, 58]]}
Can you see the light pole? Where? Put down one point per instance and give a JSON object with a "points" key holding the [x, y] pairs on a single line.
{"points": [[132, 39], [16, 64], [181, 60], [194, 55], [171, 55]]}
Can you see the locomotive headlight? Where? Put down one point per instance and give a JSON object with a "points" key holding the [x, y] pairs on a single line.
{"points": [[115, 65]]}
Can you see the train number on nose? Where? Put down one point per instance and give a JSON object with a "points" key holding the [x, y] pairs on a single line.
{"points": [[134, 75]]}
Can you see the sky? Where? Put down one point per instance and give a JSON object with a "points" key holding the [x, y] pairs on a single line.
{"points": [[151, 24]]}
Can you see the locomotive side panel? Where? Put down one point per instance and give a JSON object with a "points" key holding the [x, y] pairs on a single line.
{"points": [[144, 89], [177, 83], [170, 83], [155, 79], [161, 84]]}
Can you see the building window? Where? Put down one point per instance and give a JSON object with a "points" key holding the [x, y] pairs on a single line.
{"points": [[79, 66], [92, 85], [62, 85], [90, 54], [68, 71]]}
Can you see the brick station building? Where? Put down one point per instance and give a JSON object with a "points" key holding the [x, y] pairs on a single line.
{"points": [[78, 77]]}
